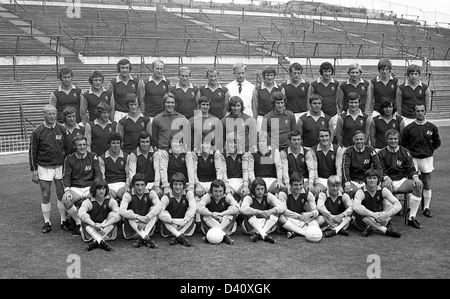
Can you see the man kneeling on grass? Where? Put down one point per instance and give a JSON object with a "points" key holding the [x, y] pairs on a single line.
{"points": [[140, 207], [374, 206], [98, 215]]}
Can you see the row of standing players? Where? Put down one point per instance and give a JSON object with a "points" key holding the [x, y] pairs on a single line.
{"points": [[274, 107]]}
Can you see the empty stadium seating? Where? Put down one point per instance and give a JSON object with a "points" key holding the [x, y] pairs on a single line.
{"points": [[128, 31]]}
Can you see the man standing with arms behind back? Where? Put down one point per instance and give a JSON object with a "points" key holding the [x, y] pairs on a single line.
{"points": [[421, 138]]}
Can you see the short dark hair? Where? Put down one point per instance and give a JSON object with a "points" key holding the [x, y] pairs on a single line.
{"points": [[354, 96], [296, 177], [217, 183], [138, 177], [64, 71], [269, 70], [294, 133], [326, 66], [114, 136], [315, 96], [95, 74], [384, 62], [295, 66]]}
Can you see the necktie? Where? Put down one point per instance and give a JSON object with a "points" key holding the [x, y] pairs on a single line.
{"points": [[240, 87]]}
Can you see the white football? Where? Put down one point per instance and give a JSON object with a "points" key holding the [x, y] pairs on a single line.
{"points": [[313, 233], [215, 235]]}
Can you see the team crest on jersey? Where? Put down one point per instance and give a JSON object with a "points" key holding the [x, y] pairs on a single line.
{"points": [[363, 88], [420, 92], [332, 88], [106, 98], [392, 86], [88, 168], [366, 161], [219, 94], [393, 126], [323, 123], [332, 156], [105, 207], [122, 163], [74, 95], [58, 137], [287, 121], [361, 121], [399, 163], [182, 159], [303, 89], [142, 124], [429, 133], [110, 129], [164, 87], [133, 85]]}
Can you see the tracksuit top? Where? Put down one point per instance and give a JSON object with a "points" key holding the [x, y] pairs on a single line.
{"points": [[421, 140], [47, 146], [81, 173]]}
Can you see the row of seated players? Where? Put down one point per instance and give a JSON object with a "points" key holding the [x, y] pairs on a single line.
{"points": [[262, 212], [216, 165]]}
